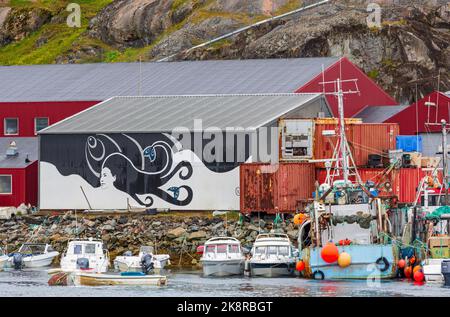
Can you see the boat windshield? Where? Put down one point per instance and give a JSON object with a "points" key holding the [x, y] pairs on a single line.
{"points": [[90, 248], [146, 249], [272, 251], [32, 249], [222, 248], [233, 248]]}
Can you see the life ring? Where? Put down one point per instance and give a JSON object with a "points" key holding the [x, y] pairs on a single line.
{"points": [[318, 275], [382, 264]]}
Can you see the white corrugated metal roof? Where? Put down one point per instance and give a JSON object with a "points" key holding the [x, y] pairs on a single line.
{"points": [[78, 82], [164, 113]]}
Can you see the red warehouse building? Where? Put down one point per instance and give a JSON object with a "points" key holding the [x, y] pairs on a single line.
{"points": [[34, 97]]}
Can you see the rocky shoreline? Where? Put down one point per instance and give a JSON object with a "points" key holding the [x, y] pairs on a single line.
{"points": [[177, 234]]}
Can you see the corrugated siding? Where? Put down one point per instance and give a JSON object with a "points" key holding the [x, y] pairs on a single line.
{"points": [[363, 139], [278, 191]]}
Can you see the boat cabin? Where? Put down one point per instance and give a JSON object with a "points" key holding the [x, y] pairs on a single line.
{"points": [[222, 248], [85, 248], [272, 245]]}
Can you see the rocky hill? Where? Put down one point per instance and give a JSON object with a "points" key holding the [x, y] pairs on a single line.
{"points": [[411, 48]]}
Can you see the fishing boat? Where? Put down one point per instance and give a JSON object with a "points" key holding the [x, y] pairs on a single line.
{"points": [[272, 255], [347, 232], [96, 279], [84, 255], [145, 261], [32, 255], [222, 256]]}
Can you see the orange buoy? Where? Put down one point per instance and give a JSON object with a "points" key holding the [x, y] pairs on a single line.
{"points": [[401, 264], [419, 276], [300, 266], [299, 219], [344, 260], [416, 268], [200, 249], [412, 260], [408, 272], [330, 253]]}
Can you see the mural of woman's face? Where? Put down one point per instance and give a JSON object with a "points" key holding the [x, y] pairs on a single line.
{"points": [[107, 179]]}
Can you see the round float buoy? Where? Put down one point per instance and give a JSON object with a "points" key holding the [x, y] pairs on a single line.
{"points": [[412, 260], [401, 264], [419, 276], [300, 266], [299, 219], [408, 272], [330, 253], [416, 268], [344, 260]]}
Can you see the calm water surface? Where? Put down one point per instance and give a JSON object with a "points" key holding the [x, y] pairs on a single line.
{"points": [[190, 283]]}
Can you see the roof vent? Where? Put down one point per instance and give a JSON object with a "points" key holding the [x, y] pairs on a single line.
{"points": [[12, 149]]}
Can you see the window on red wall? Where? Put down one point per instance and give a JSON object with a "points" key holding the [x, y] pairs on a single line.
{"points": [[39, 124], [5, 184], [11, 126]]}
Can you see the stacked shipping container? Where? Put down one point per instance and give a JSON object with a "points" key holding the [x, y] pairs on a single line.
{"points": [[277, 188]]}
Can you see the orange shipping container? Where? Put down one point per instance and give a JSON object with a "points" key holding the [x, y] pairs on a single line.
{"points": [[266, 188], [363, 139]]}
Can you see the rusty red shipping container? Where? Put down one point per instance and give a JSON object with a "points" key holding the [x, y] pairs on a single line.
{"points": [[404, 181], [363, 139], [266, 188], [368, 174]]}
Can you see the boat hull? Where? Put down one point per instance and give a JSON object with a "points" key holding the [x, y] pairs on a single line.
{"points": [[223, 268], [363, 263], [93, 279], [272, 269], [40, 260], [432, 271]]}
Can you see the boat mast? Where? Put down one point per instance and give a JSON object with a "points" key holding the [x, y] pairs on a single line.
{"points": [[444, 157], [340, 95]]}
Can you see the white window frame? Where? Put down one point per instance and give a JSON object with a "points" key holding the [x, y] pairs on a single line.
{"points": [[35, 123], [4, 126], [11, 178]]}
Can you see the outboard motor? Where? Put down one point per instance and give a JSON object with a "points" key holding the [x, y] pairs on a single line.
{"points": [[17, 261], [83, 263], [147, 264], [445, 270]]}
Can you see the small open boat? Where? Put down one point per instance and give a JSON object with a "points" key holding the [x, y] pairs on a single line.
{"points": [[3, 259], [31, 255], [145, 261], [125, 278]]}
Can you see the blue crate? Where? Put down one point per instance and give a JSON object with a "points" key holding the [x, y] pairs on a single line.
{"points": [[409, 143]]}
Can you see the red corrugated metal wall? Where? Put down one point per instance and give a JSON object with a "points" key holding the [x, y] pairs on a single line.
{"points": [[371, 93], [271, 190], [24, 186], [18, 187], [26, 112], [404, 181], [363, 139], [31, 174]]}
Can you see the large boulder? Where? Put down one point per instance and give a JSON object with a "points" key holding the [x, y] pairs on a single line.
{"points": [[176, 233]]}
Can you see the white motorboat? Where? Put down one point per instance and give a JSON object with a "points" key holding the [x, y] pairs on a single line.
{"points": [[87, 256], [3, 259], [145, 261], [32, 255], [222, 256], [272, 255]]}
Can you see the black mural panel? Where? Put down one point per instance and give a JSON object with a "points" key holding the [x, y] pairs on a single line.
{"points": [[138, 164]]}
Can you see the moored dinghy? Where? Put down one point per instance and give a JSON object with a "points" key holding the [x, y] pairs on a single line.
{"points": [[222, 256], [272, 255], [94, 279]]}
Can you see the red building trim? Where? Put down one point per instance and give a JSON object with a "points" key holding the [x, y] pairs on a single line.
{"points": [[413, 119], [27, 112], [370, 93]]}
